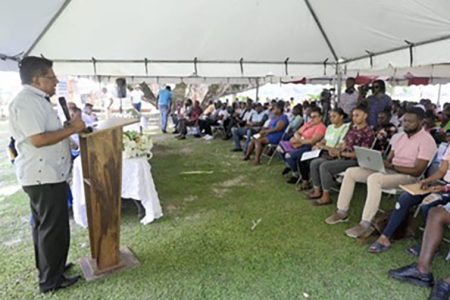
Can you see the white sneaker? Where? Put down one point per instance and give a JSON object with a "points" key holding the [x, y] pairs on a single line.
{"points": [[208, 137]]}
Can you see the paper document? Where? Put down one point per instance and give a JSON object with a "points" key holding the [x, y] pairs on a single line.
{"points": [[414, 189], [311, 154]]}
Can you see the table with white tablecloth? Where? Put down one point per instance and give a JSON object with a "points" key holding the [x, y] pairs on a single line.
{"points": [[137, 184]]}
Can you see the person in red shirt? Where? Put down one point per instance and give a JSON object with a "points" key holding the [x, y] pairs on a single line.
{"points": [[191, 120]]}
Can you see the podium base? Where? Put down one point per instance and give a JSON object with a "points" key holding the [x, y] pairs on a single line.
{"points": [[91, 272]]}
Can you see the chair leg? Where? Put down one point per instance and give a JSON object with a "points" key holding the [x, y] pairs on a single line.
{"points": [[271, 157]]}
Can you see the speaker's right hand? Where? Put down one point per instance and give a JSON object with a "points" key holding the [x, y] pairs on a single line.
{"points": [[77, 125]]}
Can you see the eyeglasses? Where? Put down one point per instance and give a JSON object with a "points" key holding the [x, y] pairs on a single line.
{"points": [[314, 116], [375, 86], [54, 78]]}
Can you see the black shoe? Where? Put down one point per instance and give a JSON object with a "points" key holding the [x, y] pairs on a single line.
{"points": [[440, 291], [292, 180], [65, 283], [68, 266], [236, 150], [285, 171], [412, 275], [176, 132], [164, 131], [197, 135]]}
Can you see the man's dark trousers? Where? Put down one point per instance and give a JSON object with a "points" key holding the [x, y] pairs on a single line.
{"points": [[51, 231]]}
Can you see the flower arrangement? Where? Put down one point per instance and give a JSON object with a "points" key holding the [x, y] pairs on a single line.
{"points": [[137, 145]]}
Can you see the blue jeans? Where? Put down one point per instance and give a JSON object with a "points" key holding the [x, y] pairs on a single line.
{"points": [[164, 111], [294, 157], [238, 133], [402, 207]]}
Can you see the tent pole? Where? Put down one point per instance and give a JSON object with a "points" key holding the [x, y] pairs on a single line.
{"points": [[338, 84], [439, 95], [257, 90]]}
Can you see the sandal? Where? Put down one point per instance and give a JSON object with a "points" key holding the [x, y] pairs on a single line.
{"points": [[319, 202], [377, 247], [311, 197]]}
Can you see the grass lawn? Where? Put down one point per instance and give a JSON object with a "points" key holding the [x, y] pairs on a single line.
{"points": [[204, 248]]}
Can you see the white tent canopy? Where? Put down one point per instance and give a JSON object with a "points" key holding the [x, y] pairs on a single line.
{"points": [[228, 38]]}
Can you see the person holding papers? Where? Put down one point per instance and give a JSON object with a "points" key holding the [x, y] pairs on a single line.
{"points": [[302, 141], [408, 159], [334, 137], [429, 195], [339, 156]]}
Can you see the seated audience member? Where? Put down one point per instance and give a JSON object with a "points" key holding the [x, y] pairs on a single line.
{"points": [[209, 110], [341, 154], [74, 140], [223, 115], [396, 113], [269, 135], [295, 122], [191, 120], [240, 117], [184, 113], [384, 131], [408, 159], [334, 138], [176, 115], [420, 273], [302, 141], [88, 116], [438, 195], [209, 119], [252, 126]]}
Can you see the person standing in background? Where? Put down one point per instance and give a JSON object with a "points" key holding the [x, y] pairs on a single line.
{"points": [[136, 98], [349, 98], [378, 102], [163, 103]]}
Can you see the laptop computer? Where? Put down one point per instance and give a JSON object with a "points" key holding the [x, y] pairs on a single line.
{"points": [[370, 159]]}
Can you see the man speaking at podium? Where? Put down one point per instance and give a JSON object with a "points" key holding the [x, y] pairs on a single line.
{"points": [[42, 166]]}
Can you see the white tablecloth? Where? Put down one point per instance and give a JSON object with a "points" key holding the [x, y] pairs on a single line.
{"points": [[137, 184]]}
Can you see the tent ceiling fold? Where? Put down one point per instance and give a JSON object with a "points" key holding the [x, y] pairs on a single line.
{"points": [[235, 38]]}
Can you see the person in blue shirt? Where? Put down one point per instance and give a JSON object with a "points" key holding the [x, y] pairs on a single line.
{"points": [[269, 135], [164, 103], [378, 102]]}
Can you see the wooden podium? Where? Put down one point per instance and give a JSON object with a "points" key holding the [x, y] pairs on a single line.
{"points": [[101, 157]]}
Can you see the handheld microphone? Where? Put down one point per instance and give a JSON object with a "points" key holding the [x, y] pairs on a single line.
{"points": [[63, 103]]}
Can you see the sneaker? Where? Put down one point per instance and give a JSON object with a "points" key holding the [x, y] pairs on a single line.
{"points": [[208, 137], [440, 291], [236, 150], [359, 231], [412, 275], [336, 218], [286, 171]]}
